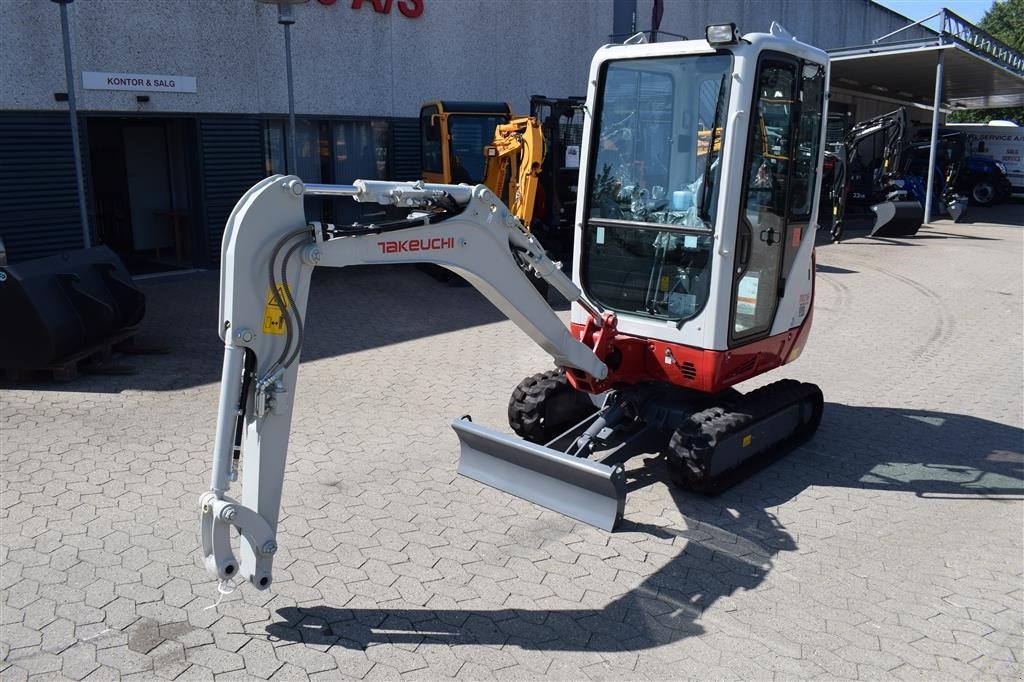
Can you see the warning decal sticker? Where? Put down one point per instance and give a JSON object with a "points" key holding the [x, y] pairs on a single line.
{"points": [[746, 294], [274, 317]]}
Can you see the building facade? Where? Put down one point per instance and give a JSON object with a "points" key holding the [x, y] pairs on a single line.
{"points": [[182, 103]]}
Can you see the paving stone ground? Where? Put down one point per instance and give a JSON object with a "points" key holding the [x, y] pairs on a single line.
{"points": [[890, 546]]}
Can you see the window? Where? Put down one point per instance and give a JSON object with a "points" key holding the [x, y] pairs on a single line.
{"points": [[360, 152], [274, 155], [430, 134], [808, 141], [780, 177], [762, 230], [647, 271], [652, 204], [807, 150], [334, 152], [307, 150], [469, 134], [658, 119]]}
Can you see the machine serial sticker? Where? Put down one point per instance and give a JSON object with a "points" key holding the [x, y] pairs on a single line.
{"points": [[273, 315], [805, 302]]}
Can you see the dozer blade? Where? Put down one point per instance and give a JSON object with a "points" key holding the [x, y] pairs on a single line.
{"points": [[585, 490], [897, 218]]}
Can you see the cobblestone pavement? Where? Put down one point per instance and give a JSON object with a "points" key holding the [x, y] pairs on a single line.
{"points": [[888, 547]]}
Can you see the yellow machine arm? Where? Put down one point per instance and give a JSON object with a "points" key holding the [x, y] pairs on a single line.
{"points": [[521, 144]]}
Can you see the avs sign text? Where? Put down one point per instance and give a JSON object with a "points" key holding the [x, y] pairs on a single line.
{"points": [[408, 8], [137, 82]]}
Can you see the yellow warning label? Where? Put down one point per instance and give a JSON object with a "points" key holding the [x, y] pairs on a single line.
{"points": [[746, 440], [274, 318]]}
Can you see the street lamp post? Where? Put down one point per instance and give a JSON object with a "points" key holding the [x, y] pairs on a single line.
{"points": [[286, 19], [69, 78]]}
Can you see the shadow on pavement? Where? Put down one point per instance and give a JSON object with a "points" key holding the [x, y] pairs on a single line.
{"points": [[932, 234], [1008, 214], [349, 310], [732, 539], [357, 308], [858, 225], [833, 270]]}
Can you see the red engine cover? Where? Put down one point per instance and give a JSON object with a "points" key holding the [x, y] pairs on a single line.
{"points": [[642, 360]]}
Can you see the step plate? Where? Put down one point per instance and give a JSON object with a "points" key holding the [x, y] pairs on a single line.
{"points": [[588, 491]]}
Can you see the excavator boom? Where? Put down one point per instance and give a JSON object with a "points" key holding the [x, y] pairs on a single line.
{"points": [[269, 253]]}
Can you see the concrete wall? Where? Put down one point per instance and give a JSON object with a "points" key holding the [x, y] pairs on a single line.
{"points": [[347, 61], [359, 62]]}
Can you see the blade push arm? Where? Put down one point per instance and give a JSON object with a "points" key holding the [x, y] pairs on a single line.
{"points": [[268, 254]]}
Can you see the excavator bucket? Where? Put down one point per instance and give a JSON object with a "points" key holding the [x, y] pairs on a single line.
{"points": [[585, 490], [897, 218], [956, 205]]}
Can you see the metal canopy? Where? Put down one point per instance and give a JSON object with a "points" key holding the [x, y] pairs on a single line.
{"points": [[978, 72], [961, 67], [906, 73]]}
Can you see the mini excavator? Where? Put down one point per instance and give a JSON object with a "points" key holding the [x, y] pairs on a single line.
{"points": [[898, 195], [693, 271]]}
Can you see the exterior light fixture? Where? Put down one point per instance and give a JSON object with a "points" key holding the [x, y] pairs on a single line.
{"points": [[721, 34]]}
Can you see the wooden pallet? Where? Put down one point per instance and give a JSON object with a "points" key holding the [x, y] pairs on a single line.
{"points": [[96, 359]]}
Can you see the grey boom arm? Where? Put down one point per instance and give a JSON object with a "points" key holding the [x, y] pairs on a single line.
{"points": [[268, 254]]}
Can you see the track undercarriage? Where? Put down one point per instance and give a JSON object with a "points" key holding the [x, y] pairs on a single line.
{"points": [[576, 444]]}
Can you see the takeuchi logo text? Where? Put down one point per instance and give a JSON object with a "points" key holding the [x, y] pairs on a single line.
{"points": [[409, 245]]}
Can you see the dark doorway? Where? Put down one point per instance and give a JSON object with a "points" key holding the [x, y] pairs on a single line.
{"points": [[142, 172]]}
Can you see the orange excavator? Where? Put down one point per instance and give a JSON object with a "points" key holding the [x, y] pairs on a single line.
{"points": [[477, 143]]}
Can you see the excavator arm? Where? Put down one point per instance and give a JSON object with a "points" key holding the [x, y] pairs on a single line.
{"points": [[268, 254], [520, 143], [892, 126]]}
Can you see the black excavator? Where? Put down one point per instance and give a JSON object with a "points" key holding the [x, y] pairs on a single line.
{"points": [[896, 214], [896, 196]]}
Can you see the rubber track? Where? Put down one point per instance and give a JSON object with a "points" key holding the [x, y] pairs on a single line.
{"points": [[528, 407], [693, 445]]}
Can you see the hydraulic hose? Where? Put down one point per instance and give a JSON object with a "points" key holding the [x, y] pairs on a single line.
{"points": [[276, 294]]}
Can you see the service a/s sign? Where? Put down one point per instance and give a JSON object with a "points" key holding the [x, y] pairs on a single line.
{"points": [[137, 82]]}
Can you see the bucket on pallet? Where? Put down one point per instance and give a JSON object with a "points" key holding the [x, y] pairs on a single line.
{"points": [[56, 306]]}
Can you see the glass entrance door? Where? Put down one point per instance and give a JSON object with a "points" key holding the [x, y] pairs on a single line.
{"points": [[142, 173]]}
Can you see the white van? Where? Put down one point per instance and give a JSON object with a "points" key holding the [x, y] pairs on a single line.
{"points": [[1001, 141]]}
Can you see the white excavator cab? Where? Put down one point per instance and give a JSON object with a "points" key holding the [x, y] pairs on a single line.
{"points": [[692, 271], [699, 192]]}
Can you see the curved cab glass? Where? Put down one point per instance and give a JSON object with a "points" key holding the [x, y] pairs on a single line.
{"points": [[654, 184]]}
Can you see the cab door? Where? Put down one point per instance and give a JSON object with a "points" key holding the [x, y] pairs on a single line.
{"points": [[780, 177]]}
